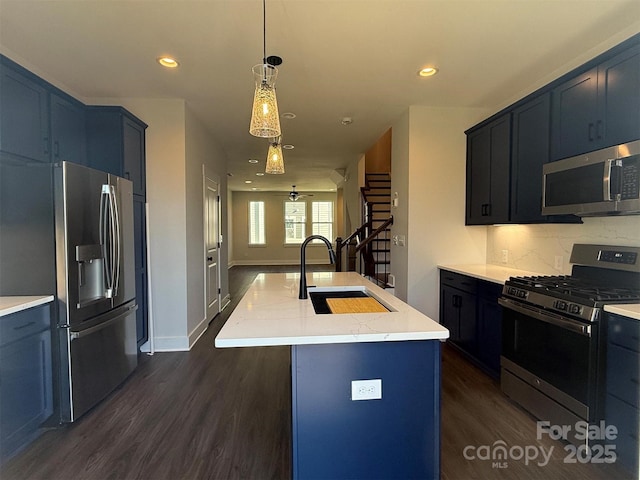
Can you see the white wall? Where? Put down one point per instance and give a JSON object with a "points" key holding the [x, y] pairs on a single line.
{"points": [[428, 172], [275, 252], [166, 193], [177, 144], [201, 150]]}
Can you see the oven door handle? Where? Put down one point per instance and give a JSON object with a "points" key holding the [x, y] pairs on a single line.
{"points": [[543, 316]]}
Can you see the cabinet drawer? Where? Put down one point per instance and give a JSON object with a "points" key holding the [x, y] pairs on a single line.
{"points": [[624, 331], [623, 377], [461, 282], [22, 324], [626, 419]]}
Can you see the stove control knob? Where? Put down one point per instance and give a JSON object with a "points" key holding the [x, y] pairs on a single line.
{"points": [[522, 294], [573, 308], [560, 305]]}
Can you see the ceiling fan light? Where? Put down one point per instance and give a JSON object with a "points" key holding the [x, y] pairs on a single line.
{"points": [[275, 162], [265, 120]]}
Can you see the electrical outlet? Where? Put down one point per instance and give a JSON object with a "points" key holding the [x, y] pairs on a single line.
{"points": [[557, 264], [366, 389], [505, 256]]}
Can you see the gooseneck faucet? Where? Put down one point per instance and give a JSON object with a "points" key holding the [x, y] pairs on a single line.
{"points": [[303, 269]]}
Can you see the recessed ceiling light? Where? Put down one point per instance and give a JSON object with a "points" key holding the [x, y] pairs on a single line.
{"points": [[260, 174], [346, 121], [288, 115], [248, 181], [253, 160], [428, 71], [288, 146], [254, 188], [168, 62]]}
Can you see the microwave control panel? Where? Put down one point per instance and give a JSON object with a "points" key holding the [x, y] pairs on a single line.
{"points": [[630, 188]]}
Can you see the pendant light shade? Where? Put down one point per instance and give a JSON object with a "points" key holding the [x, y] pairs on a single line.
{"points": [[265, 120], [275, 162]]}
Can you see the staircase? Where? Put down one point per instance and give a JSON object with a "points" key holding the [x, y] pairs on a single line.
{"points": [[376, 195]]}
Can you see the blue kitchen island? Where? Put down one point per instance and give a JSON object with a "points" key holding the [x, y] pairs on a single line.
{"points": [[365, 386]]}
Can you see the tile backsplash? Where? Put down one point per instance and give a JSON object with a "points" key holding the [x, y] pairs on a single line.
{"points": [[537, 248]]}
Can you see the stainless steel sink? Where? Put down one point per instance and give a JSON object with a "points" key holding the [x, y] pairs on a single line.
{"points": [[319, 296]]}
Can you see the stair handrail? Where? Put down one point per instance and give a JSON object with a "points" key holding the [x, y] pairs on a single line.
{"points": [[374, 234]]}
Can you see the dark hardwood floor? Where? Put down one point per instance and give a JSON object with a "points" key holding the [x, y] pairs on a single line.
{"points": [[225, 414]]}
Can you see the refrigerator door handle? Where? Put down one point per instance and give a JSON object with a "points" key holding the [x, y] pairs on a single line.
{"points": [[106, 237], [88, 331], [115, 235]]}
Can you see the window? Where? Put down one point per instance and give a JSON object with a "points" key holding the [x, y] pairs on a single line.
{"points": [[295, 218], [322, 220], [256, 223]]}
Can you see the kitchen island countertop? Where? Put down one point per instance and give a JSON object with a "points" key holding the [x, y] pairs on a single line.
{"points": [[9, 305], [270, 313], [491, 273]]}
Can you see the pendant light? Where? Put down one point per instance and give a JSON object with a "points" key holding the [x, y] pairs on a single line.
{"points": [[265, 121], [275, 162]]}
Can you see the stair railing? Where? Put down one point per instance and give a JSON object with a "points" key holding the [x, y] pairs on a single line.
{"points": [[369, 266]]}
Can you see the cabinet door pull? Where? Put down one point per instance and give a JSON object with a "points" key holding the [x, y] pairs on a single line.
{"points": [[56, 149], [591, 131], [24, 326]]}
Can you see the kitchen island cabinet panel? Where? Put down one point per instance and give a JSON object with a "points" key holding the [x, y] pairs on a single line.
{"points": [[24, 116], [391, 437], [26, 396]]}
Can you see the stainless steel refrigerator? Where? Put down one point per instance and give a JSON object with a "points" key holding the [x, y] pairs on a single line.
{"points": [[95, 285]]}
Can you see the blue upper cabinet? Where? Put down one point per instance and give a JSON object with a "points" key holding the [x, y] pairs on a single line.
{"points": [[597, 108], [116, 144], [24, 115], [67, 130], [488, 166]]}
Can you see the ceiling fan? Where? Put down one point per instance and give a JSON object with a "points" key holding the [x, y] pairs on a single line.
{"points": [[294, 195]]}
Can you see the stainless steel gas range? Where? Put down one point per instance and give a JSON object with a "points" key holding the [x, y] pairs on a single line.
{"points": [[553, 341]]}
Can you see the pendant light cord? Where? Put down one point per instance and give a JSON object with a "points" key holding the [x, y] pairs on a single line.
{"points": [[264, 31]]}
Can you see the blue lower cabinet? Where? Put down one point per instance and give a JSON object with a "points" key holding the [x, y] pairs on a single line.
{"points": [[26, 398], [622, 404], [394, 437]]}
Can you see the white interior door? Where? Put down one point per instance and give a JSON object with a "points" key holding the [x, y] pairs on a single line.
{"points": [[212, 245]]}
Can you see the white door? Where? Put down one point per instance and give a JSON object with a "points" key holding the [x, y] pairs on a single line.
{"points": [[211, 229]]}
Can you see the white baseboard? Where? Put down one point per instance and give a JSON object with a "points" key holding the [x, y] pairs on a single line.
{"points": [[226, 301], [168, 344], [197, 332]]}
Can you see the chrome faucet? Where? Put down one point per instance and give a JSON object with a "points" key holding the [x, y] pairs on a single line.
{"points": [[303, 273]]}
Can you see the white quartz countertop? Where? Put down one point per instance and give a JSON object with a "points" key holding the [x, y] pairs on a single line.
{"points": [[9, 305], [631, 310], [490, 273], [270, 313]]}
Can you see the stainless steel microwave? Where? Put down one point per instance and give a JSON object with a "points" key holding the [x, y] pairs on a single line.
{"points": [[604, 182]]}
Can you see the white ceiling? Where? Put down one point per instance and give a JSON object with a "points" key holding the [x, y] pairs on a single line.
{"points": [[355, 58]]}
